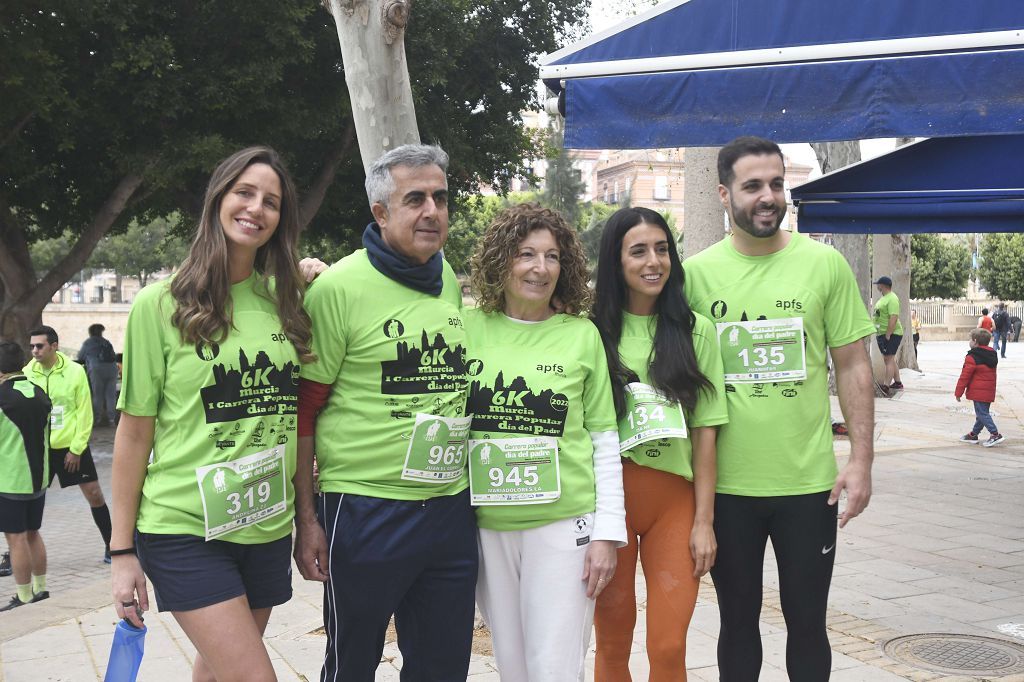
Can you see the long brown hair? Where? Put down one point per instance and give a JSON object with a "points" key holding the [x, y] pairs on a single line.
{"points": [[202, 286]]}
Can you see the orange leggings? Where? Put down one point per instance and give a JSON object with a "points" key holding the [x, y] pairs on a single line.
{"points": [[659, 517]]}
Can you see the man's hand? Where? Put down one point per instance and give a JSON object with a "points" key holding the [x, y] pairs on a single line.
{"points": [[71, 462], [310, 553], [855, 479]]}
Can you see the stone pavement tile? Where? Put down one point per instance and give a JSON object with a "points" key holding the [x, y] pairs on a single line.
{"points": [[906, 555], [876, 586], [157, 669], [865, 674], [1008, 627], [861, 605], [943, 604], [974, 571], [304, 655], [920, 623], [69, 667], [893, 570], [963, 587], [985, 557], [57, 640], [922, 543]]}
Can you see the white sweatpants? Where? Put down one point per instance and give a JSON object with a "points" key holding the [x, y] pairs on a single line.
{"points": [[532, 595]]}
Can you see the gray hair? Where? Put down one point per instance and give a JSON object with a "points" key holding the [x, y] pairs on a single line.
{"points": [[380, 184]]}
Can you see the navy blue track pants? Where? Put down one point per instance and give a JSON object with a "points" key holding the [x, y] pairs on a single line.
{"points": [[414, 559]]}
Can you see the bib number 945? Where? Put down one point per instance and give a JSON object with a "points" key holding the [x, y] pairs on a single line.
{"points": [[526, 475]]}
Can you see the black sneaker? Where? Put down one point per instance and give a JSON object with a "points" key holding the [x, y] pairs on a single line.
{"points": [[994, 439], [5, 564], [896, 386], [969, 438], [106, 555], [13, 604], [39, 596], [884, 390]]}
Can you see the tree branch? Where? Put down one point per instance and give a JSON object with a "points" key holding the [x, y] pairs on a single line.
{"points": [[314, 196], [109, 212]]}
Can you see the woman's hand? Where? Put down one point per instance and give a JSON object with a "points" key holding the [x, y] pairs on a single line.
{"points": [[127, 581], [703, 548], [599, 566], [309, 268]]}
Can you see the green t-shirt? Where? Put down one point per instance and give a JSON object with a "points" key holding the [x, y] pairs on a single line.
{"points": [[675, 455], [778, 440], [545, 379], [885, 307], [213, 404], [390, 352]]}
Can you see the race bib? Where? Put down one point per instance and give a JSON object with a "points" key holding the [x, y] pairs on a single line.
{"points": [[649, 416], [437, 449], [242, 492], [514, 471], [757, 351], [57, 418]]}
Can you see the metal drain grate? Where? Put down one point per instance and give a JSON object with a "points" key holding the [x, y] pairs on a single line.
{"points": [[948, 653]]}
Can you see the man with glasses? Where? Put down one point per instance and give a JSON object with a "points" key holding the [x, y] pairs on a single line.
{"points": [[67, 385]]}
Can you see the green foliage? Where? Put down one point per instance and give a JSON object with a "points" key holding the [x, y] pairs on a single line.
{"points": [[563, 185], [142, 249], [939, 267], [468, 221], [46, 253], [1001, 270], [97, 90]]}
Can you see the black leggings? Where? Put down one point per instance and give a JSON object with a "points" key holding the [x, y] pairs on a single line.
{"points": [[803, 533]]}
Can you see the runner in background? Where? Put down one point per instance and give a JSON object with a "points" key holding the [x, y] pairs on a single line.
{"points": [[670, 399], [544, 469], [211, 365]]}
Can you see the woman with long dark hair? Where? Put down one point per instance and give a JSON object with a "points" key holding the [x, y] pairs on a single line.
{"points": [[669, 393], [211, 364]]}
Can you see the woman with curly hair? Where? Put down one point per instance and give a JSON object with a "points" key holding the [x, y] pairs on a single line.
{"points": [[669, 395], [211, 364], [545, 473]]}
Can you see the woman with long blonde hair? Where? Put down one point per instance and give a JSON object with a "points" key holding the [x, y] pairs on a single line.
{"points": [[211, 364]]}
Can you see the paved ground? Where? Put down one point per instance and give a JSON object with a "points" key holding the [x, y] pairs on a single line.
{"points": [[941, 549]]}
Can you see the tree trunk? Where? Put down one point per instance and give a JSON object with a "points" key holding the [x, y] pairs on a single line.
{"points": [[24, 297], [703, 216], [314, 196], [906, 358], [854, 247], [372, 35]]}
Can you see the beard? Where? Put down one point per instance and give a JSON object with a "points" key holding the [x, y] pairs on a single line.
{"points": [[746, 221]]}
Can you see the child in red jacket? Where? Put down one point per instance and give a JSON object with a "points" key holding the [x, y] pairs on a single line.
{"points": [[978, 379]]}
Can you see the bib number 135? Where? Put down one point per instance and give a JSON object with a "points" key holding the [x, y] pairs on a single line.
{"points": [[763, 357]]}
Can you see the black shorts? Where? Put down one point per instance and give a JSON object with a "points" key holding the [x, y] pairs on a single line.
{"points": [[189, 573], [891, 346], [18, 516], [86, 468]]}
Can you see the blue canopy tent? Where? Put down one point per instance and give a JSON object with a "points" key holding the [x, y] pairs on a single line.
{"points": [[953, 184], [701, 72]]}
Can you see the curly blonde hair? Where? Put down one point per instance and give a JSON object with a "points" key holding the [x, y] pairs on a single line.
{"points": [[492, 260]]}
